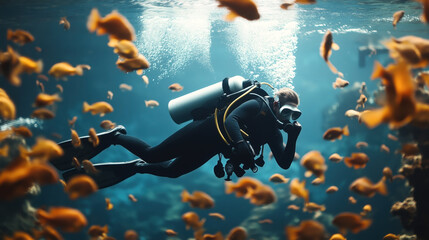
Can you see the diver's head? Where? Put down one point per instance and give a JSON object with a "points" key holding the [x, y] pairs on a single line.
{"points": [[286, 105]]}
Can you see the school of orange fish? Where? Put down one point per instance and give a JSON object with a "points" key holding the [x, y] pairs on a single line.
{"points": [[31, 166]]}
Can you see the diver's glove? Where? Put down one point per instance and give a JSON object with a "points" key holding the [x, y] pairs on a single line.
{"points": [[244, 152], [293, 129]]}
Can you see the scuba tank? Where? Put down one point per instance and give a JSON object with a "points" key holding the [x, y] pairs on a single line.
{"points": [[201, 103]]}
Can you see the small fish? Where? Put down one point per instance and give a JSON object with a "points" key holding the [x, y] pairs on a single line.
{"points": [[198, 199], [125, 87], [388, 174], [332, 189], [397, 16], [101, 108], [293, 207], [366, 209], [238, 233], [392, 137], [314, 163], [356, 160], [132, 64], [109, 204], [340, 83], [350, 221], [313, 207], [170, 232], [72, 122], [145, 80], [326, 49], [139, 72], [336, 133], [89, 167], [243, 8], [286, 6], [151, 103], [44, 99], [75, 138], [217, 215], [352, 200], [10, 66], [298, 188], [65, 22], [7, 107], [43, 77], [253, 189], [361, 101], [361, 144], [337, 236], [60, 88], [22, 131], [384, 148], [391, 236], [96, 231], [44, 149], [175, 87], [125, 48], [80, 186], [363, 186], [317, 181], [93, 137], [107, 124], [132, 198], [39, 49], [308, 229], [335, 158], [40, 85], [63, 69], [131, 235], [64, 218], [269, 221], [109, 95], [114, 24], [278, 178], [19, 36], [192, 219], [29, 65], [352, 113], [76, 163]]}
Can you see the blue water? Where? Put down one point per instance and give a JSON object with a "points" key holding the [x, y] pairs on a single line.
{"points": [[188, 42]]}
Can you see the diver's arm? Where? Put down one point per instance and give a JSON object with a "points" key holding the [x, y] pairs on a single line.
{"points": [[241, 115], [285, 155]]}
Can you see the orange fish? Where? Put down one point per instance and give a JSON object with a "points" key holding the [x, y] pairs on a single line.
{"points": [[39, 49], [40, 85], [198, 199], [107, 124], [125, 48], [298, 188], [314, 162], [76, 163], [98, 108], [93, 137], [109, 204], [65, 22], [340, 83], [237, 233], [175, 87], [384, 148], [409, 149], [243, 8], [66, 219], [217, 215], [313, 207], [286, 6], [332, 189], [217, 236], [125, 87], [19, 236], [352, 200], [269, 221], [89, 167], [113, 24], [42, 113], [397, 16], [308, 229], [361, 101], [356, 160], [242, 187], [170, 232], [72, 122], [44, 149], [131, 235], [43, 77], [366, 209], [30, 66], [22, 131], [388, 174], [293, 207], [278, 178], [7, 107], [109, 95], [317, 181], [191, 219], [392, 137], [326, 50], [10, 66], [63, 69], [262, 195], [60, 88], [363, 186], [350, 221], [48, 232], [352, 113], [4, 151], [96, 231], [337, 236], [305, 1], [44, 99], [361, 144], [151, 103], [145, 80], [391, 236], [132, 64], [335, 158], [80, 186], [132, 198], [75, 138], [412, 49], [336, 133], [19, 36]]}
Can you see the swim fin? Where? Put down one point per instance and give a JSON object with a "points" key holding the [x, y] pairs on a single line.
{"points": [[86, 150], [107, 174]]}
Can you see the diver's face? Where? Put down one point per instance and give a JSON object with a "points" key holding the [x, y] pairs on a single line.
{"points": [[288, 112]]}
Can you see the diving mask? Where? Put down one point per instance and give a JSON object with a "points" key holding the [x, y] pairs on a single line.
{"points": [[288, 112]]}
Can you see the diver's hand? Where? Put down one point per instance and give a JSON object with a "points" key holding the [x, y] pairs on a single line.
{"points": [[244, 152], [293, 129]]}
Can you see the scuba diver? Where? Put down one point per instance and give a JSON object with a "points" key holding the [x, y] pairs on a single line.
{"points": [[244, 120]]}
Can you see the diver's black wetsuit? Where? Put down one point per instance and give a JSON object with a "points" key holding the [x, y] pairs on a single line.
{"points": [[193, 145]]}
